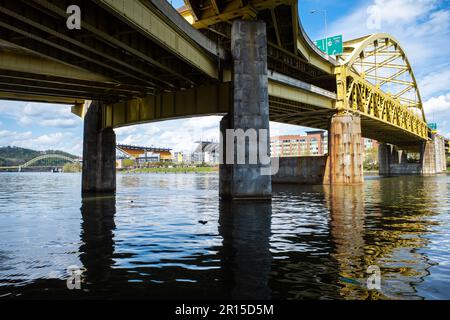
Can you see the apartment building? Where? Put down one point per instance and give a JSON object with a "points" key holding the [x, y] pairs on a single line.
{"points": [[313, 143]]}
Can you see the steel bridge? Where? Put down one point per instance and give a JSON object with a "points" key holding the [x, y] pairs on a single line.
{"points": [[144, 61], [37, 159]]}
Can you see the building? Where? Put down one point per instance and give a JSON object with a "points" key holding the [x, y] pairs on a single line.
{"points": [[369, 144], [206, 152], [177, 157], [311, 144], [314, 143], [143, 155]]}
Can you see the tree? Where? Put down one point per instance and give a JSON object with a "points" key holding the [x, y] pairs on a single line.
{"points": [[72, 167], [128, 163], [371, 159]]}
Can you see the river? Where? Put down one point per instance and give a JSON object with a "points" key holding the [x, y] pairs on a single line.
{"points": [[169, 236]]}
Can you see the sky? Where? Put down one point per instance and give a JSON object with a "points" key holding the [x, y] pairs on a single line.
{"points": [[421, 26]]}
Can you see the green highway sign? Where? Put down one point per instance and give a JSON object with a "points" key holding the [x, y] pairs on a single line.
{"points": [[334, 45]]}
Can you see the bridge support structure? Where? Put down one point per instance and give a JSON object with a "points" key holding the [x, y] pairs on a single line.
{"points": [[99, 153], [345, 150], [393, 161], [249, 113], [342, 165]]}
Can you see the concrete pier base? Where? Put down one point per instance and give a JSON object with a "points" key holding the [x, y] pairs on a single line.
{"points": [[384, 159], [312, 170], [432, 159], [428, 158], [439, 148], [393, 161], [99, 154], [346, 156], [249, 114]]}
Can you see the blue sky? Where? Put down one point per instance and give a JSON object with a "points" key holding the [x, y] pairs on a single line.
{"points": [[421, 26]]}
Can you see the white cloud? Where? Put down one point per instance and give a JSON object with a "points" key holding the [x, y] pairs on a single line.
{"points": [[435, 81], [41, 114], [420, 26], [56, 141], [6, 135], [176, 134], [437, 105], [60, 123], [277, 129], [181, 135]]}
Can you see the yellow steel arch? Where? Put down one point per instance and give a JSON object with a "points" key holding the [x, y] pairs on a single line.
{"points": [[380, 59], [374, 79]]}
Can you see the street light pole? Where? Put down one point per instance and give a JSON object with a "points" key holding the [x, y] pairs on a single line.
{"points": [[326, 27]]}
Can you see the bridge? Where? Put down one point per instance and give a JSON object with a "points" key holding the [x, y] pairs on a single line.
{"points": [[139, 61], [36, 161]]}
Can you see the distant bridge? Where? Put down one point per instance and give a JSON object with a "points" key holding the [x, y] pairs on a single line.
{"points": [[31, 162]]}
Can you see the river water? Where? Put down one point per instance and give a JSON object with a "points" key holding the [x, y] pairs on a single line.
{"points": [[168, 236]]}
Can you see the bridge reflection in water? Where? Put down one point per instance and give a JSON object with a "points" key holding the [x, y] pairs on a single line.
{"points": [[259, 263], [245, 254], [311, 242]]}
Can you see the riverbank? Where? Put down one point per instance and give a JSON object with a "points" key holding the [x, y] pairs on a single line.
{"points": [[173, 170]]}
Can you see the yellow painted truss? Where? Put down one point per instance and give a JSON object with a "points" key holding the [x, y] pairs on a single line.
{"points": [[368, 100], [376, 79]]}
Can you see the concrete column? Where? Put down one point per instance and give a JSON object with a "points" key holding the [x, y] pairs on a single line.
{"points": [[444, 160], [428, 158], [404, 157], [384, 156], [99, 153], [439, 147], [395, 159], [346, 156], [249, 112], [443, 157]]}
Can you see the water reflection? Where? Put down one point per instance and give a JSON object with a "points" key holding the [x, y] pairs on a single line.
{"points": [[97, 249], [388, 233], [168, 237], [301, 244], [347, 216], [245, 254]]}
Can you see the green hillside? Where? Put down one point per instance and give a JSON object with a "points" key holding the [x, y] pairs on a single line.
{"points": [[13, 156]]}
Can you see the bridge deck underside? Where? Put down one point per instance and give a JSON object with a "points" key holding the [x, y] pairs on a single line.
{"points": [[125, 59], [291, 112]]}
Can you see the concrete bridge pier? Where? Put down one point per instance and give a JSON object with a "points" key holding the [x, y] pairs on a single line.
{"points": [[99, 153], [439, 147], [240, 180], [432, 156], [388, 158], [345, 150], [428, 158]]}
